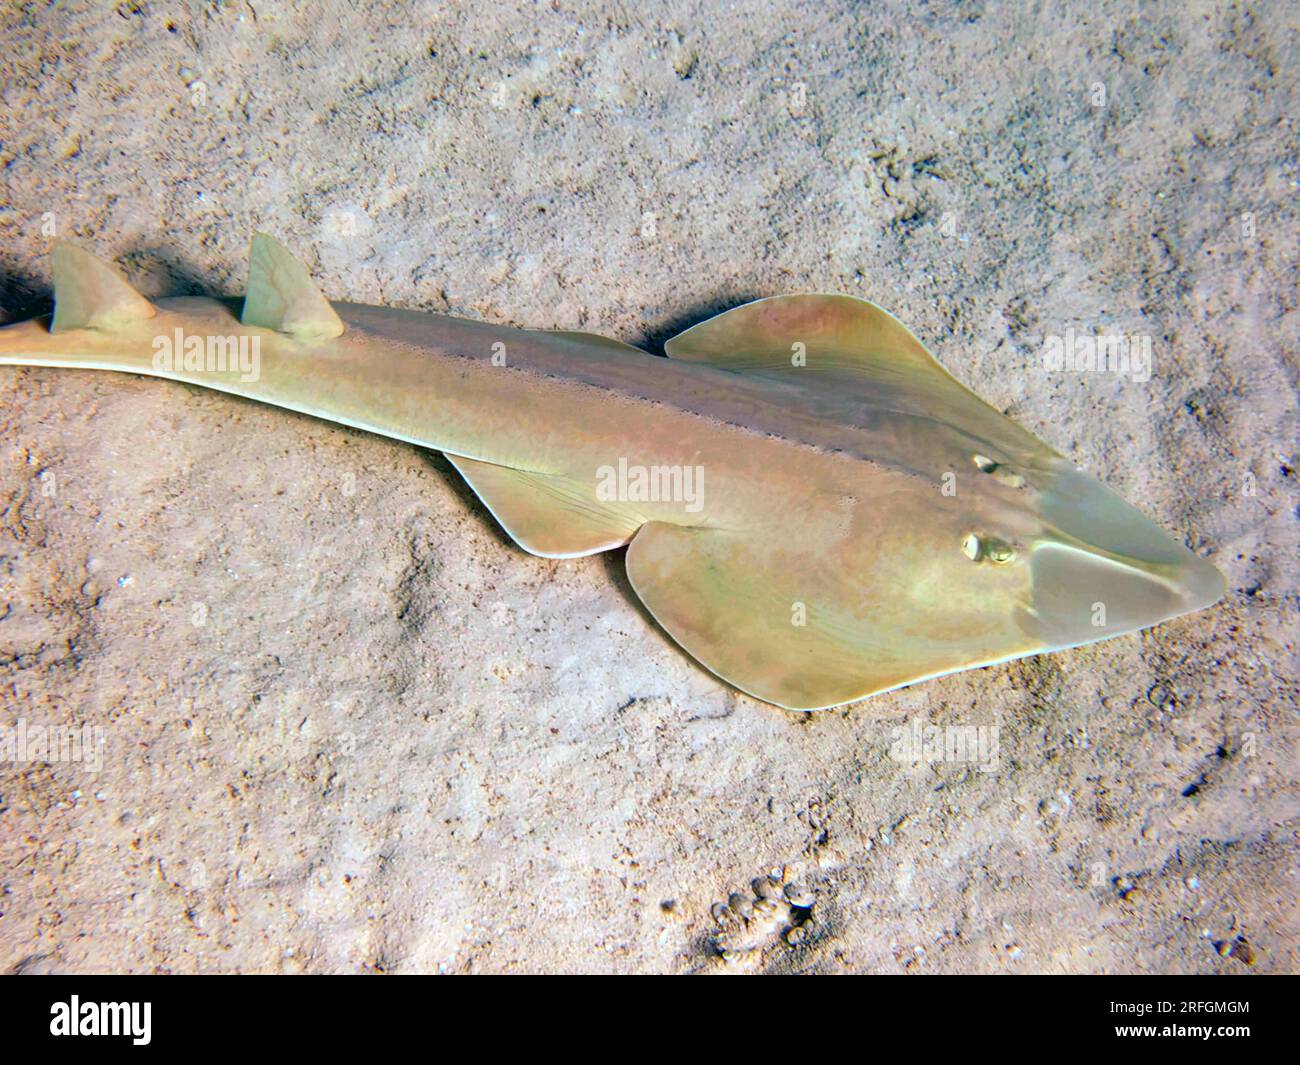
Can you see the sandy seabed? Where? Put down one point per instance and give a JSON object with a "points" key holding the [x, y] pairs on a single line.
{"points": [[343, 724]]}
